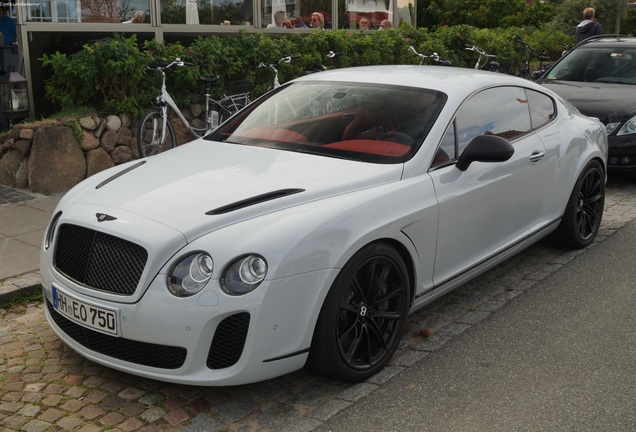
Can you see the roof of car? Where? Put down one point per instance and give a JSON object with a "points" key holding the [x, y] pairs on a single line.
{"points": [[603, 40], [450, 80]]}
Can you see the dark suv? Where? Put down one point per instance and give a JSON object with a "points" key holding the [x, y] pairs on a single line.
{"points": [[598, 76]]}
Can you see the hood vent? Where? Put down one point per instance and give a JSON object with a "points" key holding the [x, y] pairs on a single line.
{"points": [[119, 174], [254, 200]]}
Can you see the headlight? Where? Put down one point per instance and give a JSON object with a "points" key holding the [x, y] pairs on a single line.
{"points": [[191, 274], [628, 128], [50, 232], [611, 127], [244, 275]]}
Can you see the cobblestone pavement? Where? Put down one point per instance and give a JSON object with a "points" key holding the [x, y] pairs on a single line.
{"points": [[44, 386], [10, 195]]}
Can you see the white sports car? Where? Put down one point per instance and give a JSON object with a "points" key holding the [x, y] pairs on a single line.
{"points": [[306, 228]]}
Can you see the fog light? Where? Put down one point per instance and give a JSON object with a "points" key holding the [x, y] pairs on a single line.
{"points": [[625, 160], [613, 161]]}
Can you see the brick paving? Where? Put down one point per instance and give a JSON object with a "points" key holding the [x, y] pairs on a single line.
{"points": [[45, 386]]}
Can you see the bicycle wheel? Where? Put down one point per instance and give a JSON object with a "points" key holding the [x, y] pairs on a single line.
{"points": [[229, 107], [149, 134]]}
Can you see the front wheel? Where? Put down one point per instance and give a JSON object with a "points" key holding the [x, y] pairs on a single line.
{"points": [[363, 317], [584, 211], [150, 132]]}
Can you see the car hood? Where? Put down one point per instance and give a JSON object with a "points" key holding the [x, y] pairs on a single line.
{"points": [[607, 102], [202, 186]]}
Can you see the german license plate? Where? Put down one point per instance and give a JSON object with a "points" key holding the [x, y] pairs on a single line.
{"points": [[95, 317]]}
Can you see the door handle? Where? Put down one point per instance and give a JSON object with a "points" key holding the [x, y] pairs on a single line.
{"points": [[536, 156]]}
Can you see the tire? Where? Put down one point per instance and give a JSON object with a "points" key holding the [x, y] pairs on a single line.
{"points": [[229, 109], [363, 317], [584, 211], [149, 134]]}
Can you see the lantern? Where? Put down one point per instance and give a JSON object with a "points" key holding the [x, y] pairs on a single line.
{"points": [[14, 98]]}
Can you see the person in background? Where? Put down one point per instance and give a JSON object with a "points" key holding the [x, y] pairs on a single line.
{"points": [[137, 18], [7, 27], [385, 24], [281, 21], [299, 23], [364, 23], [589, 26], [317, 21]]}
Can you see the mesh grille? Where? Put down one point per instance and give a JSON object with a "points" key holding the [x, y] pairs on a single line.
{"points": [[99, 260], [143, 353], [229, 340]]}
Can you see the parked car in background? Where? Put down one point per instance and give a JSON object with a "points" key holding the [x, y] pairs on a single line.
{"points": [[598, 76], [308, 226]]}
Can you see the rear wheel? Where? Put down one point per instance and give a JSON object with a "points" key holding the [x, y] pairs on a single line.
{"points": [[150, 131], [583, 214], [229, 108], [363, 317]]}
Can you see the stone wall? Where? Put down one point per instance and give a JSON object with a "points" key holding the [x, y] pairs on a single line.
{"points": [[52, 156]]}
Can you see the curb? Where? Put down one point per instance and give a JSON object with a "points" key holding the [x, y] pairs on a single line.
{"points": [[19, 286]]}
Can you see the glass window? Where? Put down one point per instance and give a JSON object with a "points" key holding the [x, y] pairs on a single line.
{"points": [[541, 108], [104, 11], [406, 12], [501, 111], [614, 65], [364, 14], [368, 122], [217, 12]]}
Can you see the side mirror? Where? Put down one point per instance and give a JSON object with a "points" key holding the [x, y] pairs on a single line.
{"points": [[485, 148]]}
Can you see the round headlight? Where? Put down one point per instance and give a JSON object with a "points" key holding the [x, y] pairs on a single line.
{"points": [[244, 275], [190, 274]]}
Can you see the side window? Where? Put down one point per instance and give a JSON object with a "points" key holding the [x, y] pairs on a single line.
{"points": [[541, 108], [501, 111]]}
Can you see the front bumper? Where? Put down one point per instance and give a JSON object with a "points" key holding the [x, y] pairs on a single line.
{"points": [[209, 339], [622, 153]]}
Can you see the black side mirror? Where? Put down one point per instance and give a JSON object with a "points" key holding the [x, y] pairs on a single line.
{"points": [[485, 148]]}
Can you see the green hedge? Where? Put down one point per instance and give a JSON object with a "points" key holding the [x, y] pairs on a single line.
{"points": [[111, 74]]}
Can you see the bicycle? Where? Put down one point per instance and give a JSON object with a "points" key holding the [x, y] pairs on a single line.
{"points": [[490, 63], [155, 132], [273, 67], [321, 67], [526, 72], [435, 57]]}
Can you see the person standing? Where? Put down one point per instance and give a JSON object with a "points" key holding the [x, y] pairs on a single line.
{"points": [[7, 27], [589, 26]]}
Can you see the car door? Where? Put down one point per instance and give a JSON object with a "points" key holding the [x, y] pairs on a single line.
{"points": [[490, 206]]}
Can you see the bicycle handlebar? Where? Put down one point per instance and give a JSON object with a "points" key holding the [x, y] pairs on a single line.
{"points": [[436, 58], [177, 62]]}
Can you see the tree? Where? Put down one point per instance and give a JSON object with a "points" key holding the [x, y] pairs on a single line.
{"points": [[608, 13]]}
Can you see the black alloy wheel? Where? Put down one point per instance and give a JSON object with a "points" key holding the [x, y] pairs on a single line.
{"points": [[584, 212], [363, 318]]}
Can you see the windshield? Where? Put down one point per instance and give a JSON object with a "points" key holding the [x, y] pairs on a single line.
{"points": [[369, 122], [597, 64]]}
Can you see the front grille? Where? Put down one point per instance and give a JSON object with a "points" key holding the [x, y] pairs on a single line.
{"points": [[143, 353], [99, 260], [229, 340]]}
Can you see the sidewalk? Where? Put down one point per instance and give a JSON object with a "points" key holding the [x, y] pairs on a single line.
{"points": [[23, 219]]}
